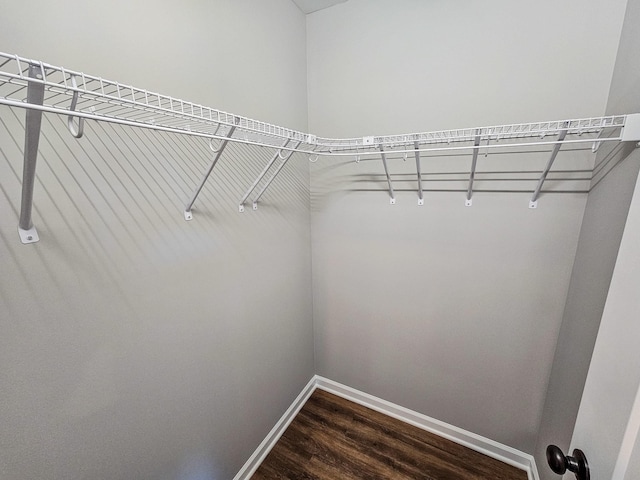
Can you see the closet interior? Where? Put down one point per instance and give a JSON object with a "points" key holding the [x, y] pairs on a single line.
{"points": [[425, 206]]}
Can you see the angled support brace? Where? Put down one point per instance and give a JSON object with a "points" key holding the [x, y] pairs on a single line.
{"points": [[218, 153], [261, 176], [472, 175], [533, 203], [275, 174], [417, 152], [33, 122], [392, 200]]}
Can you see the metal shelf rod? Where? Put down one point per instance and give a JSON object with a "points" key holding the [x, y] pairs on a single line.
{"points": [[261, 176], [416, 147], [330, 153], [273, 177], [392, 200], [187, 210], [533, 203], [33, 122], [472, 174]]}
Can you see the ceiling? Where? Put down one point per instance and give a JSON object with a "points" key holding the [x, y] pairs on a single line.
{"points": [[310, 6]]}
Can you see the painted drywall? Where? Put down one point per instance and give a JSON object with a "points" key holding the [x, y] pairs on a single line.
{"points": [[614, 374], [633, 468], [204, 51], [135, 344], [602, 229], [379, 67], [450, 311]]}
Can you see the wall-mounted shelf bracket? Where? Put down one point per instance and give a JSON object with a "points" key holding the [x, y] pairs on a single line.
{"points": [[187, 210], [472, 175], [275, 174], [277, 155], [416, 146], [392, 196], [631, 129], [28, 236], [33, 122], [533, 203]]}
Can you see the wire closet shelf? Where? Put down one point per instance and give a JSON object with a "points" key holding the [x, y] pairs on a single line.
{"points": [[40, 87], [76, 94]]}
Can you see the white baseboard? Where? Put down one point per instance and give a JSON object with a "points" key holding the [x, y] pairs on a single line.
{"points": [[492, 449], [250, 467], [488, 447]]}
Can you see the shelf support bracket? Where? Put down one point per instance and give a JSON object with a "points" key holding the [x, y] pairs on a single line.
{"points": [[472, 175], [275, 174], [416, 146], [33, 123], [187, 210], [533, 203], [261, 176], [392, 200]]}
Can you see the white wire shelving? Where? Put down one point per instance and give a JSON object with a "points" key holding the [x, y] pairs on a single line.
{"points": [[40, 87]]}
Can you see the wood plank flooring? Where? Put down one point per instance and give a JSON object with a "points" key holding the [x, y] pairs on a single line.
{"points": [[333, 438]]}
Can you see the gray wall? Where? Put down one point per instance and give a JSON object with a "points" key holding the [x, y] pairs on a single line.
{"points": [[633, 469], [135, 344], [240, 56], [602, 228], [451, 311], [613, 380], [379, 67]]}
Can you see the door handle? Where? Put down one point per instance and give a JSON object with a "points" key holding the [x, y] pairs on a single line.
{"points": [[560, 463]]}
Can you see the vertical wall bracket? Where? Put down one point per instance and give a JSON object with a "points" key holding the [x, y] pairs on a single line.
{"points": [[33, 123], [631, 129]]}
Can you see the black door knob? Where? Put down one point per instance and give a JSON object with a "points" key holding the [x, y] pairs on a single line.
{"points": [[560, 463]]}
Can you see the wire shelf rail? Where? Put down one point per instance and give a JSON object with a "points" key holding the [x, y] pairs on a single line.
{"points": [[40, 87], [73, 93]]}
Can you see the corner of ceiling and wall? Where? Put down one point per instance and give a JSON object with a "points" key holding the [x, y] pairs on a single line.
{"points": [[311, 6]]}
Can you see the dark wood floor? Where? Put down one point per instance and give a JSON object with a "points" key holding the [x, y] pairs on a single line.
{"points": [[333, 438]]}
